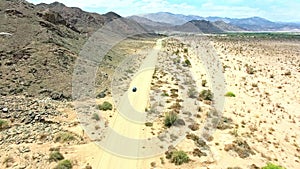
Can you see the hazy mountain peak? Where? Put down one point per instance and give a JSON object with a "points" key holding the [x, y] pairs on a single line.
{"points": [[112, 15]]}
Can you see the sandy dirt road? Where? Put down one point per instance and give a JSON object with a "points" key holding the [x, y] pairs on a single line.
{"points": [[131, 103]]}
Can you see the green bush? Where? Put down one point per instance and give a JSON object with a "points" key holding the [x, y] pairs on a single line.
{"points": [[65, 164], [64, 137], [187, 62], [206, 95], [230, 94], [272, 166], [165, 94], [55, 156], [96, 117], [185, 50], [179, 157], [105, 106], [170, 119], [3, 123]]}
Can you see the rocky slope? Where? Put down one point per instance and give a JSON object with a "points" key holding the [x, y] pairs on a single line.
{"points": [[39, 46]]}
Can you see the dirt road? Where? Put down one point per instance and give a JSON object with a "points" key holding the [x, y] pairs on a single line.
{"points": [[129, 121]]}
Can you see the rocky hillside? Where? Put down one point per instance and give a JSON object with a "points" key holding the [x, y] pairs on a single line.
{"points": [[39, 45], [84, 22]]}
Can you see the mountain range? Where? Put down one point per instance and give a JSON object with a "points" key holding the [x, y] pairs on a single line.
{"points": [[157, 21]]}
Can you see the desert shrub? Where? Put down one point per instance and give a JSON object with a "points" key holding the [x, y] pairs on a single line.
{"points": [[192, 92], [230, 94], [288, 73], [170, 119], [179, 157], [65, 164], [96, 117], [250, 70], [272, 166], [162, 161], [206, 95], [204, 82], [185, 50], [64, 137], [165, 94], [187, 62], [3, 123], [149, 124], [254, 85], [8, 161], [55, 156], [105, 106]]}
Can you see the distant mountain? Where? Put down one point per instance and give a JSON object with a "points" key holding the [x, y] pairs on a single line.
{"points": [[203, 26], [254, 23], [249, 24], [174, 19], [149, 24], [199, 26], [226, 26]]}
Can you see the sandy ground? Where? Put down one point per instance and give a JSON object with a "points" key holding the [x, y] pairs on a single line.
{"points": [[124, 126], [264, 113]]}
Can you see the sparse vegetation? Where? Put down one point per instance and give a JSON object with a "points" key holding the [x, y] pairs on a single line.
{"points": [[8, 161], [96, 117], [162, 160], [185, 50], [105, 106], [64, 137], [149, 124], [204, 82], [192, 92], [3, 123], [206, 95], [234, 133], [241, 147], [249, 69], [187, 62], [65, 164], [179, 157], [254, 85], [230, 94], [165, 94], [288, 73], [170, 119], [272, 166], [55, 156]]}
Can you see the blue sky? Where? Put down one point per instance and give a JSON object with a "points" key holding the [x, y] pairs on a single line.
{"points": [[275, 10]]}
